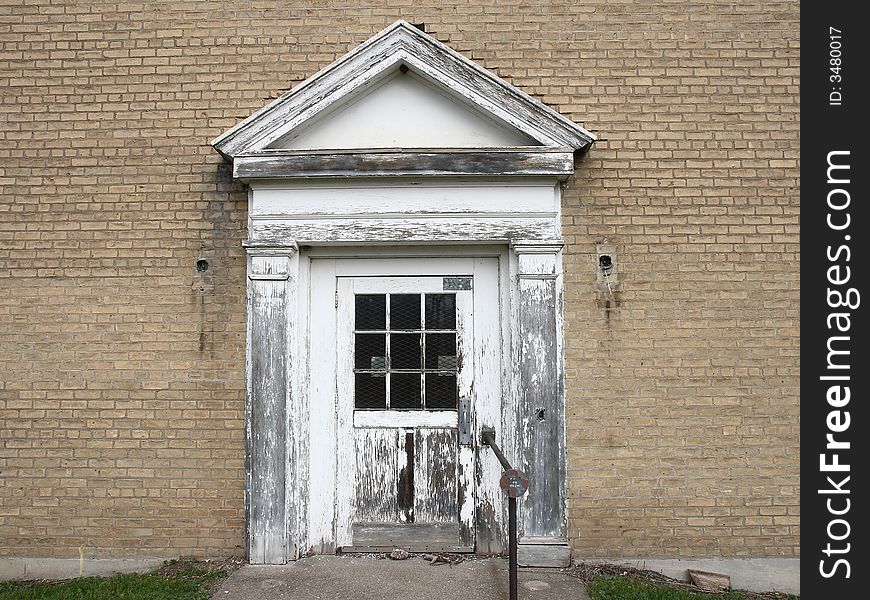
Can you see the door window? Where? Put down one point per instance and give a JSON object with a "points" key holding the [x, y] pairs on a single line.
{"points": [[405, 354]]}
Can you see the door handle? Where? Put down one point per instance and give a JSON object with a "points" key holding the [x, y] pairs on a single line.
{"points": [[465, 435]]}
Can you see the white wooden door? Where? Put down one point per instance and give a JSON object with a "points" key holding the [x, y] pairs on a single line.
{"points": [[405, 388]]}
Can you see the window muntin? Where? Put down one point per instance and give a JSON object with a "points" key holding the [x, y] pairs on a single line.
{"points": [[405, 352]]}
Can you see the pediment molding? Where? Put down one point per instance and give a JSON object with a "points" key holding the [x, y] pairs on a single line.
{"points": [[401, 46]]}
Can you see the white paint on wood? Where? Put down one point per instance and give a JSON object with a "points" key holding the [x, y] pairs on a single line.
{"points": [[539, 381], [299, 425], [470, 347], [403, 111], [435, 483], [449, 198], [466, 320], [404, 418], [375, 474], [383, 163], [489, 389], [266, 413], [481, 120], [357, 72], [404, 230], [322, 353]]}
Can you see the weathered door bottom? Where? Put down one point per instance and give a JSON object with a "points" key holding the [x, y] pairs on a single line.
{"points": [[413, 537]]}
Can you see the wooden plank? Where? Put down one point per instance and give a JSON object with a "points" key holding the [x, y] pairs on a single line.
{"points": [[522, 197], [267, 426], [435, 494], [416, 537], [488, 499], [324, 513], [540, 410], [377, 475], [418, 229], [404, 418], [382, 164], [429, 548]]}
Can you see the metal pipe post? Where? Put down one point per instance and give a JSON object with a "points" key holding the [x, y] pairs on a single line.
{"points": [[512, 553]]}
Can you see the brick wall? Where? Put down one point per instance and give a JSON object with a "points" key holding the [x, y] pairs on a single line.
{"points": [[122, 366]]}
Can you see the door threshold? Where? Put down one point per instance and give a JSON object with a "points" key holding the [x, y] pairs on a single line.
{"points": [[413, 549]]}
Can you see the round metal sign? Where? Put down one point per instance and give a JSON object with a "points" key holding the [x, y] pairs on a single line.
{"points": [[514, 483]]}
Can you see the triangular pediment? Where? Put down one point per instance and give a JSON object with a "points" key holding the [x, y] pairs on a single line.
{"points": [[405, 92], [403, 110]]}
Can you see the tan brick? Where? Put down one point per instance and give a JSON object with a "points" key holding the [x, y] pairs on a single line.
{"points": [[682, 399]]}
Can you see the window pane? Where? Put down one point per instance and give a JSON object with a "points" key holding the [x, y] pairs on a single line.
{"points": [[405, 351], [441, 392], [405, 391], [405, 311], [370, 351], [440, 311], [441, 351], [370, 390], [370, 311]]}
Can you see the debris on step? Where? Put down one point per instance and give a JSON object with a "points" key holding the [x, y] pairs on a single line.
{"points": [[443, 559], [399, 554]]}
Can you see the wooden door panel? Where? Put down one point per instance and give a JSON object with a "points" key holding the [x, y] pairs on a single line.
{"points": [[377, 475], [435, 494]]}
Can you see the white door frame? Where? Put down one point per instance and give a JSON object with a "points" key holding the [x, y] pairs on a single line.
{"points": [[290, 495], [329, 517]]}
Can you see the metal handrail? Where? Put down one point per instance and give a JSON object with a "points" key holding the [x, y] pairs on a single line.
{"points": [[488, 438]]}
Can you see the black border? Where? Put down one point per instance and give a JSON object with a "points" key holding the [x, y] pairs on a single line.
{"points": [[826, 128]]}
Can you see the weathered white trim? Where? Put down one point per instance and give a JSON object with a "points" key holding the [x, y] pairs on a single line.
{"points": [[538, 384], [415, 210], [482, 163], [403, 111], [404, 418], [402, 44], [441, 197], [404, 230], [270, 504]]}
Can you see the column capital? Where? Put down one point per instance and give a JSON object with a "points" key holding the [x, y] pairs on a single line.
{"points": [[538, 260], [521, 247], [270, 265], [267, 248]]}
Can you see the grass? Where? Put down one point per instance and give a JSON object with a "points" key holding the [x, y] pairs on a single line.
{"points": [[609, 587], [177, 580]]}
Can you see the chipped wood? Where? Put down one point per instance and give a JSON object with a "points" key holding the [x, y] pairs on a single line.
{"points": [[436, 493], [377, 475], [540, 441], [351, 197], [268, 356], [416, 164], [414, 537], [402, 44], [415, 198], [405, 483], [359, 230]]}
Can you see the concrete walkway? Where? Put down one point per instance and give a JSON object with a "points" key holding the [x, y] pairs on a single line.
{"points": [[372, 578]]}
